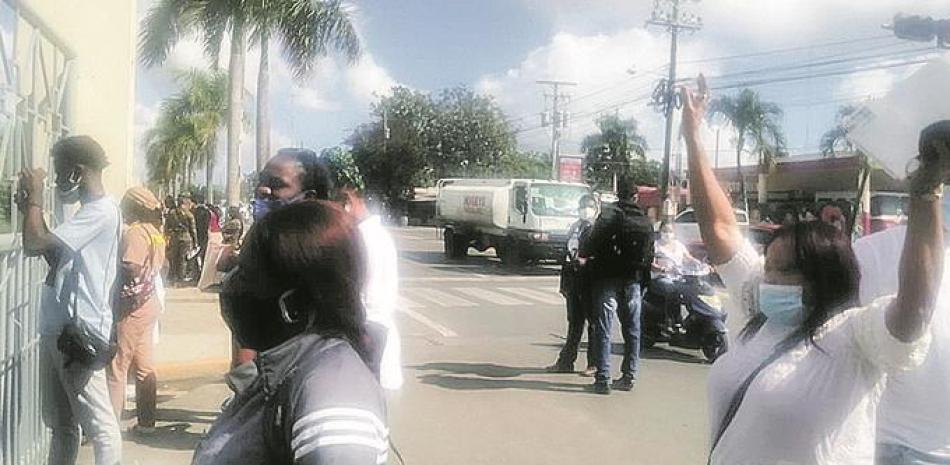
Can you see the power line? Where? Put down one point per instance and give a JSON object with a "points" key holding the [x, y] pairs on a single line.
{"points": [[786, 50]]}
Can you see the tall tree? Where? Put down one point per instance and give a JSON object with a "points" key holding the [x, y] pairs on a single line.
{"points": [[343, 167], [836, 139], [611, 152], [473, 136], [186, 134], [758, 127], [308, 31], [169, 20]]}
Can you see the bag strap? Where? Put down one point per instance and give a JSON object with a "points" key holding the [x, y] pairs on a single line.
{"points": [[780, 349]]}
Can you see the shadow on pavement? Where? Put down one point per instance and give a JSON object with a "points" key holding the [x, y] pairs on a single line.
{"points": [[175, 436], [653, 353], [463, 383], [488, 370], [476, 264]]}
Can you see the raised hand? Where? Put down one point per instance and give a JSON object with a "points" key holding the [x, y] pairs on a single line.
{"points": [[694, 106]]}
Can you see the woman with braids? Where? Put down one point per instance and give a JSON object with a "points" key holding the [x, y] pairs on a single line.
{"points": [[803, 381], [296, 303], [142, 258]]}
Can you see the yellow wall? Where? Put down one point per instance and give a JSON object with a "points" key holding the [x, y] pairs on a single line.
{"points": [[101, 98]]}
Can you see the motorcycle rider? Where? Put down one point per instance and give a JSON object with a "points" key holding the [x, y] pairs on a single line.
{"points": [[671, 257], [575, 287]]}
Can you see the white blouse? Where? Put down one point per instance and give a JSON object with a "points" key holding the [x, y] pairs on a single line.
{"points": [[817, 403]]}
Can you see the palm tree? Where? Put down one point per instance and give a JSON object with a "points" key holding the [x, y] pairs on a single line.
{"points": [[308, 30], [610, 152], [164, 25], [757, 125], [186, 134], [836, 139]]}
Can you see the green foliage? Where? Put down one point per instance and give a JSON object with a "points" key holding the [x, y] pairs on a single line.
{"points": [[456, 134], [529, 165], [343, 167], [186, 133], [836, 139], [617, 149]]}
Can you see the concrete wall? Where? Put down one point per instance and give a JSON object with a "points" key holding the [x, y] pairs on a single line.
{"points": [[100, 100]]}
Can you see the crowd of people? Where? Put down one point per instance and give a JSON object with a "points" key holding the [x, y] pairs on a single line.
{"points": [[843, 354]]}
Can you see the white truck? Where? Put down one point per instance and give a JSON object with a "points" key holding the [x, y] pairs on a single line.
{"points": [[523, 219]]}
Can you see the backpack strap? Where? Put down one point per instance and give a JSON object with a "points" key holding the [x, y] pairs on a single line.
{"points": [[778, 351]]}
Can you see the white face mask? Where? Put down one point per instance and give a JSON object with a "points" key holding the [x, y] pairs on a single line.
{"points": [[782, 304], [588, 213]]}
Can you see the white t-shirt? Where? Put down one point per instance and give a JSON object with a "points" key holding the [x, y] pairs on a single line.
{"points": [[811, 406], [380, 294], [916, 403], [93, 232]]}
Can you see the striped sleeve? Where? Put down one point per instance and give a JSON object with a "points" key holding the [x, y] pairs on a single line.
{"points": [[345, 434]]}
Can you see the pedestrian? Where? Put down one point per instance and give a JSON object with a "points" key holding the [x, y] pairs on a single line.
{"points": [[381, 289], [318, 402], [76, 320], [293, 175], [912, 428], [575, 288], [142, 253], [182, 237], [620, 249], [203, 217], [802, 382]]}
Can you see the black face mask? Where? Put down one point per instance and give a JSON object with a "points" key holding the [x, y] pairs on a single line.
{"points": [[257, 322]]}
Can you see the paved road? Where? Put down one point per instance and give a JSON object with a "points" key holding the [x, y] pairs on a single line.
{"points": [[476, 337]]}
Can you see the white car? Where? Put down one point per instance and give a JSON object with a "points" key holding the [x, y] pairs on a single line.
{"points": [[687, 230]]}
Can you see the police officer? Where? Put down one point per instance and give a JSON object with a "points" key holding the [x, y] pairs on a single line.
{"points": [[575, 288], [182, 237], [620, 248]]}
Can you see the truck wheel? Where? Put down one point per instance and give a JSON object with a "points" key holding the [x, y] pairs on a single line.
{"points": [[456, 247], [511, 254]]}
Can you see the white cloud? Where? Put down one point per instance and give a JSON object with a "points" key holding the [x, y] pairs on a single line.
{"points": [[367, 78]]}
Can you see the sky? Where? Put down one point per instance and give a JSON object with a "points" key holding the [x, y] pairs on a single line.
{"points": [[502, 47]]}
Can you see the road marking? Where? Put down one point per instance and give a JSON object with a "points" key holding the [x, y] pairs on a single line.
{"points": [[535, 294], [406, 303], [444, 331], [441, 298], [493, 297]]}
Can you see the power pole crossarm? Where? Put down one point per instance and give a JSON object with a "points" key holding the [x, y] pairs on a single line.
{"points": [[557, 120]]}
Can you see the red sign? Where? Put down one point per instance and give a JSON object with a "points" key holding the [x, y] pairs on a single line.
{"points": [[571, 169]]}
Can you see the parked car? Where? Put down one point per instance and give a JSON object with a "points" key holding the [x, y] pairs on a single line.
{"points": [[687, 230]]}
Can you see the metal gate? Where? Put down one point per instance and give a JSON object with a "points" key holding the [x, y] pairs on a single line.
{"points": [[34, 82]]}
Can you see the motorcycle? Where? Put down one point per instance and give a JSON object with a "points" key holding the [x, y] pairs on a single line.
{"points": [[683, 310]]}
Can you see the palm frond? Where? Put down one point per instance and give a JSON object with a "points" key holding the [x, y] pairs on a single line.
{"points": [[162, 27], [310, 30]]}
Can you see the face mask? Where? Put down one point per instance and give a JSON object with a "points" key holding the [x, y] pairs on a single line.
{"points": [[69, 189], [588, 213], [259, 323], [264, 205], [782, 304]]}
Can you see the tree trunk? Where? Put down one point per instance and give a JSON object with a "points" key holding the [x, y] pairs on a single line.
{"points": [[742, 194], [763, 189], [263, 105], [209, 177], [235, 112]]}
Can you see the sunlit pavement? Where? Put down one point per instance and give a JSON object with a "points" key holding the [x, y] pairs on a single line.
{"points": [[476, 336]]}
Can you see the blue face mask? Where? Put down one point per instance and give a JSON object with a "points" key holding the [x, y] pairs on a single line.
{"points": [[782, 304], [263, 206]]}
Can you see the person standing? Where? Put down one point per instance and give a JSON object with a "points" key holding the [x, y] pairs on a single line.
{"points": [[381, 288], [621, 252], [803, 381], [912, 428], [76, 300], [142, 255], [575, 287], [203, 217], [182, 237]]}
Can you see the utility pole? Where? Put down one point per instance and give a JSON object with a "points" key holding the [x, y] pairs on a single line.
{"points": [[558, 120], [669, 14]]}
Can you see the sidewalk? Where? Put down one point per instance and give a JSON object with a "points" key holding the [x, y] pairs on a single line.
{"points": [[193, 353]]}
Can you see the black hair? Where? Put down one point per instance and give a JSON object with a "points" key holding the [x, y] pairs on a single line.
{"points": [[314, 249], [316, 178], [626, 188], [80, 150], [133, 211], [936, 131], [824, 257]]}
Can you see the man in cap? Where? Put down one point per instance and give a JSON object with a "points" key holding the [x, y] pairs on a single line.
{"points": [[182, 237], [85, 245]]}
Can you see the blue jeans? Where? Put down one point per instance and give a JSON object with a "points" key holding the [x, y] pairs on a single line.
{"points": [[893, 454], [623, 297]]}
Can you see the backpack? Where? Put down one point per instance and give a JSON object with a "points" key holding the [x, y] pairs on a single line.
{"points": [[631, 246]]}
